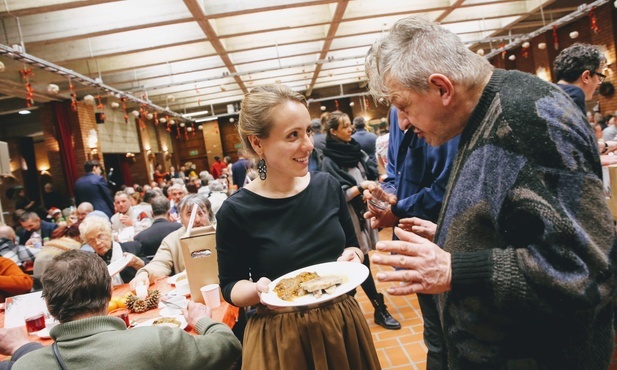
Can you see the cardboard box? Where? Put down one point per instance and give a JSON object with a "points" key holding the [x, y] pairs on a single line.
{"points": [[199, 252]]}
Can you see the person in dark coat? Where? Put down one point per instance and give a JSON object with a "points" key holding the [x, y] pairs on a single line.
{"points": [[93, 188], [238, 170], [152, 237], [31, 223]]}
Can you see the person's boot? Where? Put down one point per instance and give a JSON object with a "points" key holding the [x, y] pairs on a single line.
{"points": [[382, 316]]}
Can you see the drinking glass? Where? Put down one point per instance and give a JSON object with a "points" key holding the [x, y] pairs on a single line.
{"points": [[35, 323], [381, 194]]}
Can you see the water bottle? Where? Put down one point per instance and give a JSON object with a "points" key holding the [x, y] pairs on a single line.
{"points": [[36, 240]]}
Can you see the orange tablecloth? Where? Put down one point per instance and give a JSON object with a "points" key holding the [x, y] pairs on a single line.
{"points": [[225, 313]]}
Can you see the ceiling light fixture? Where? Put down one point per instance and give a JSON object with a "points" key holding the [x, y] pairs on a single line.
{"points": [[193, 114], [25, 111]]}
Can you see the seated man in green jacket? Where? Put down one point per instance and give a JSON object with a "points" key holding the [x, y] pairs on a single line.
{"points": [[77, 290]]}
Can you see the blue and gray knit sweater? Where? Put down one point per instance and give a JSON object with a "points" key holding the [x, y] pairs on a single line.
{"points": [[533, 243]]}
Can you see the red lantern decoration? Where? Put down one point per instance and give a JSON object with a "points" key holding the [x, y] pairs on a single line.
{"points": [[593, 21], [555, 38]]}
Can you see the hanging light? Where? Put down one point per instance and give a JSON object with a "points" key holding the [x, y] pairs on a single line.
{"points": [[526, 44], [135, 113], [542, 46], [573, 34], [200, 127], [512, 57], [480, 52], [89, 99], [181, 124], [53, 89]]}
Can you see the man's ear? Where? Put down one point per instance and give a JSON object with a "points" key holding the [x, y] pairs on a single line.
{"points": [[586, 76], [256, 144], [443, 86]]}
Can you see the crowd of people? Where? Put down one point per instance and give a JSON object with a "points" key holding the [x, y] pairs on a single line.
{"points": [[497, 206]]}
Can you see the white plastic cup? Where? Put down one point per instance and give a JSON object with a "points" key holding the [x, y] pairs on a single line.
{"points": [[212, 295]]}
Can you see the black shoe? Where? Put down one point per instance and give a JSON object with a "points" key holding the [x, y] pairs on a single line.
{"points": [[382, 316]]}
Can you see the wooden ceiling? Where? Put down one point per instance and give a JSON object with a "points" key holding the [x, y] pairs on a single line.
{"points": [[188, 55]]}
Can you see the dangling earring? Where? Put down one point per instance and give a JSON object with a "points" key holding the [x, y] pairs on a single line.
{"points": [[262, 169]]}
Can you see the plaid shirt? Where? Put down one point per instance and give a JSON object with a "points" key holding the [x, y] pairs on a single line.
{"points": [[17, 253]]}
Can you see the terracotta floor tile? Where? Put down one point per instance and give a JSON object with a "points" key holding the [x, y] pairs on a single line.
{"points": [[397, 357]]}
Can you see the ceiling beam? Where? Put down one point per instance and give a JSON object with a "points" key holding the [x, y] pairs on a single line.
{"points": [[214, 39], [336, 21]]}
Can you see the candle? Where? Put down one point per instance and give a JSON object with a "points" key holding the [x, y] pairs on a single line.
{"points": [[141, 291]]}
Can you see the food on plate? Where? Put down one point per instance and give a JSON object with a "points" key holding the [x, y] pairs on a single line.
{"points": [[288, 289], [167, 321], [305, 283], [325, 283]]}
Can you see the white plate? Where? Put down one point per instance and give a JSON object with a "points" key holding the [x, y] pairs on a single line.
{"points": [[353, 275], [172, 279], [183, 323], [119, 264], [44, 334]]}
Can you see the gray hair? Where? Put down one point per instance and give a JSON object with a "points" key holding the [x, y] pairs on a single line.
{"points": [[202, 202], [415, 49]]}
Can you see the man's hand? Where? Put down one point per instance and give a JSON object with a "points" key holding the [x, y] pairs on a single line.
{"points": [[382, 219], [126, 220], [424, 228], [12, 339], [427, 267], [194, 312], [140, 279]]}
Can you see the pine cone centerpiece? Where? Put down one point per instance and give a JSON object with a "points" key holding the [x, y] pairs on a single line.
{"points": [[142, 305]]}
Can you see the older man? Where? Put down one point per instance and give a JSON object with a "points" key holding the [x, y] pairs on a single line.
{"points": [[151, 238], [176, 193], [83, 209], [526, 275], [77, 290]]}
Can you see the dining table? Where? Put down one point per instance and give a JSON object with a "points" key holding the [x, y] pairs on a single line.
{"points": [[225, 313]]}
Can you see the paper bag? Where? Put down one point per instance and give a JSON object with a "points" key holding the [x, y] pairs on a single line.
{"points": [[199, 252]]}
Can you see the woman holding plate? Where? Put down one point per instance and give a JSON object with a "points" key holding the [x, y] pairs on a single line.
{"points": [[286, 220]]}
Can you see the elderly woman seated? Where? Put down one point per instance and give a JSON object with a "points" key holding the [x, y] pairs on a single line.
{"points": [[96, 232], [168, 259]]}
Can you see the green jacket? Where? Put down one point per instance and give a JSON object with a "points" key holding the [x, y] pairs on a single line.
{"points": [[103, 342]]}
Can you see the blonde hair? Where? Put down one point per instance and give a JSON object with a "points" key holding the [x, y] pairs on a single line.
{"points": [[94, 224], [256, 113]]}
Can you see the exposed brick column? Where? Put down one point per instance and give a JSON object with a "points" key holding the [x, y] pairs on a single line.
{"points": [[212, 141], [606, 15]]}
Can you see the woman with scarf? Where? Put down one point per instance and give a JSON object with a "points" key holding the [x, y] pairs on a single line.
{"points": [[351, 166]]}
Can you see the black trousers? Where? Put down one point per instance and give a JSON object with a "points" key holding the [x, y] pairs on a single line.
{"points": [[437, 357]]}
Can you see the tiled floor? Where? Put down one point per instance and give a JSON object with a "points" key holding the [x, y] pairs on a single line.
{"points": [[397, 349]]}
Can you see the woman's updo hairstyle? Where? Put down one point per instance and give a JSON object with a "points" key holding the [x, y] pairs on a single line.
{"points": [[334, 121], [256, 112]]}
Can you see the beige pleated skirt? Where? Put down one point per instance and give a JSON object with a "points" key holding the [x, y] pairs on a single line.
{"points": [[333, 336]]}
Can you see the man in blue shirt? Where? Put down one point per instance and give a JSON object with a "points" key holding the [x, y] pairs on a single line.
{"points": [[364, 138], [420, 175]]}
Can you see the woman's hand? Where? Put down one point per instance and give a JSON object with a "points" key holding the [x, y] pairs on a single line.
{"points": [[424, 228], [140, 279], [351, 254]]}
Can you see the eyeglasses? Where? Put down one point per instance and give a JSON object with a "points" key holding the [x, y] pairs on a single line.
{"points": [[101, 238], [601, 76]]}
